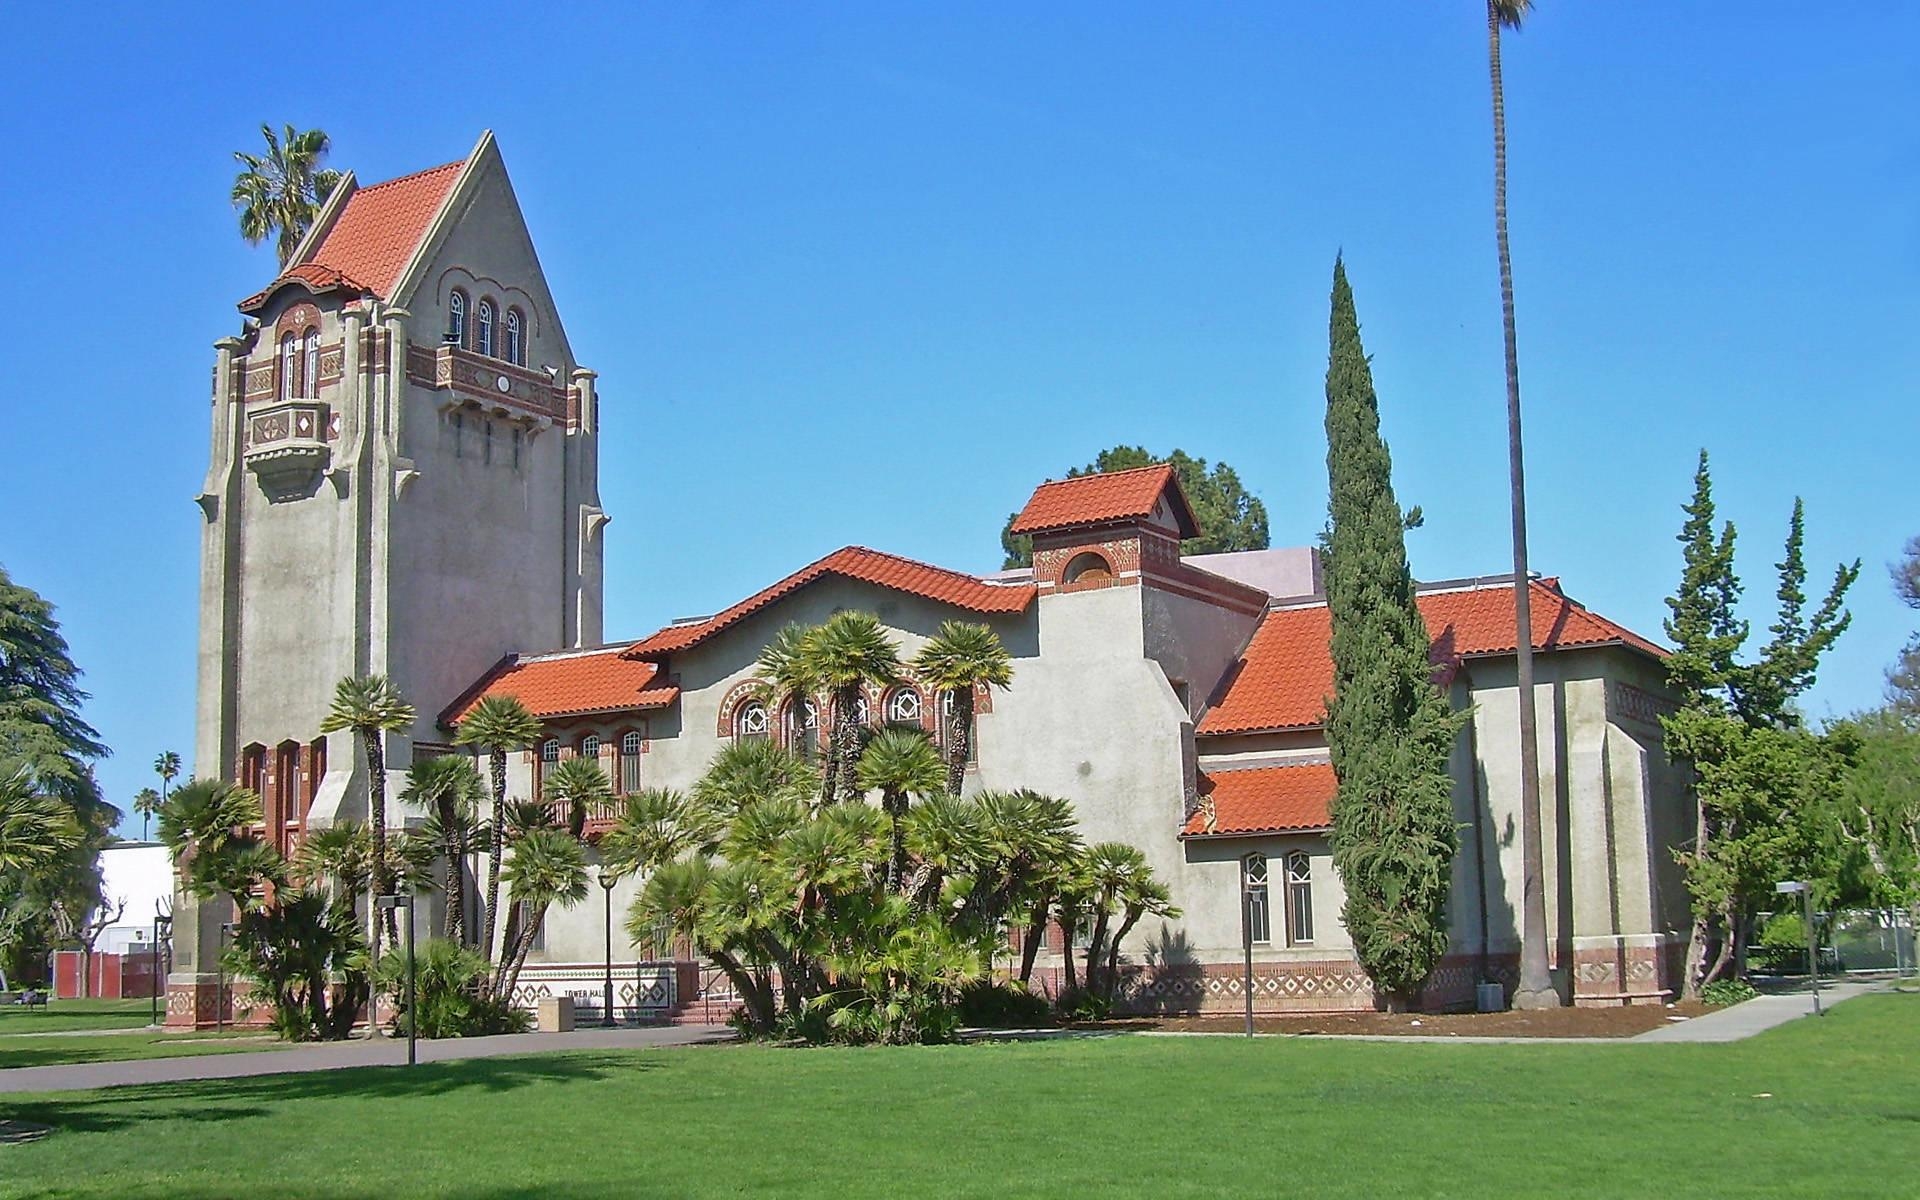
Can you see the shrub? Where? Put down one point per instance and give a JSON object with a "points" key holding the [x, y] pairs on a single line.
{"points": [[1723, 992], [450, 997], [1004, 1005]]}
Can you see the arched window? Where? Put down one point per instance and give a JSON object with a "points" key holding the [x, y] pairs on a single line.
{"points": [[590, 746], [631, 744], [483, 327], [310, 363], [289, 366], [903, 707], [1087, 567], [316, 768], [550, 751], [1253, 878], [457, 318], [862, 711], [1299, 899], [803, 726], [516, 338], [750, 720], [545, 761]]}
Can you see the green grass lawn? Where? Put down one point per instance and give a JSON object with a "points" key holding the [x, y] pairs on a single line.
{"points": [[64, 1015], [1819, 1108], [118, 1047]]}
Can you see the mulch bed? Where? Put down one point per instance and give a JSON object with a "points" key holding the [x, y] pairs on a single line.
{"points": [[1549, 1023]]}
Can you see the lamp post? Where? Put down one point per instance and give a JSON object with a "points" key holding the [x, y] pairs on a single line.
{"points": [[1246, 942], [607, 882], [1792, 887], [162, 927], [404, 903]]}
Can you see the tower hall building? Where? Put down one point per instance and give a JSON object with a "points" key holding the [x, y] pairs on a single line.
{"points": [[404, 481]]}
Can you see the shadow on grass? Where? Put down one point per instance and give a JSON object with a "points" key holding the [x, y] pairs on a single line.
{"points": [[216, 1100], [104, 1049]]}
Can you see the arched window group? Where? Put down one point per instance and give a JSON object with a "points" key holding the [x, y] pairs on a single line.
{"points": [[1299, 894], [300, 366], [490, 332]]}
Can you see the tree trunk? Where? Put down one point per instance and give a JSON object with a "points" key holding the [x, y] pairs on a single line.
{"points": [[1067, 929], [847, 750], [1096, 947], [1696, 968], [524, 944], [377, 821], [896, 805], [959, 738], [1134, 914], [1036, 934], [496, 845], [1535, 988]]}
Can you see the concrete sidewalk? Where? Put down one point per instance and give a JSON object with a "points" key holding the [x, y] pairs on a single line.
{"points": [[328, 1056], [1755, 1016]]}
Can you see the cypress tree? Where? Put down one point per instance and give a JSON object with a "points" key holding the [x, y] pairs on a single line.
{"points": [[1389, 728]]}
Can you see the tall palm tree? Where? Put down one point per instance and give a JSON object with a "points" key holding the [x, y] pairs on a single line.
{"points": [[371, 707], [448, 788], [791, 674], [34, 829], [577, 786], [547, 867], [146, 802], [167, 766], [497, 724], [899, 763], [279, 193], [963, 657], [1535, 988], [849, 651]]}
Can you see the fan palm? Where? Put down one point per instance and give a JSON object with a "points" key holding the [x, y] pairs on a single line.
{"points": [[963, 657], [34, 829], [899, 763], [167, 766], [371, 707], [750, 770], [948, 835], [547, 868], [279, 193], [578, 786], [791, 677], [1535, 988], [497, 724], [848, 653], [203, 825], [146, 802], [337, 859], [652, 828], [448, 787]]}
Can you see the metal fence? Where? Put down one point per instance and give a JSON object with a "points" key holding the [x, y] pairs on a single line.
{"points": [[1860, 942]]}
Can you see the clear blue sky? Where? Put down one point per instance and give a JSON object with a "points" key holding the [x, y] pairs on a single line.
{"points": [[867, 274]]}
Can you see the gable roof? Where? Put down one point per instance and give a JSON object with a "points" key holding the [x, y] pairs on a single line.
{"points": [[1293, 798], [857, 563], [1105, 498], [1283, 677], [374, 236], [569, 683]]}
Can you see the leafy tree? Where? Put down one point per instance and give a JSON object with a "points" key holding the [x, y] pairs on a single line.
{"points": [[1229, 516], [497, 724], [1903, 679], [899, 763], [1759, 775], [279, 193], [1389, 729], [34, 829], [962, 658], [1878, 818], [1535, 987], [371, 708]]}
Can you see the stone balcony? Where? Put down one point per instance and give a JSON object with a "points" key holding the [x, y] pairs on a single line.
{"points": [[288, 446]]}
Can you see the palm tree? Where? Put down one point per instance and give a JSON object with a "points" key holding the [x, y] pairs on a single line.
{"points": [[899, 763], [579, 785], [372, 708], [963, 657], [850, 651], [749, 770], [1535, 989], [547, 867], [790, 672], [34, 829], [654, 827], [338, 859], [448, 788], [204, 824], [146, 802], [281, 192], [167, 766], [498, 724]]}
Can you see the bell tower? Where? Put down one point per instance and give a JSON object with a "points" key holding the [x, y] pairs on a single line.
{"points": [[404, 481]]}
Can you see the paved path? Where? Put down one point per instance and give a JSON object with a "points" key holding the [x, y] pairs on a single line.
{"points": [[328, 1056], [1754, 1016]]}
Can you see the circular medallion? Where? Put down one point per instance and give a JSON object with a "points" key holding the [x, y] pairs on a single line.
{"points": [[503, 383]]}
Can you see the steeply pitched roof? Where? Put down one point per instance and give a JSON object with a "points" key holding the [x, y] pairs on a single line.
{"points": [[1277, 799], [374, 236], [1103, 499], [570, 683], [1283, 677], [853, 562]]}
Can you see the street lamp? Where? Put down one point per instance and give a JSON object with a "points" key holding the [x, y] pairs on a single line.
{"points": [[607, 884], [1246, 941], [162, 928], [1792, 887], [401, 903]]}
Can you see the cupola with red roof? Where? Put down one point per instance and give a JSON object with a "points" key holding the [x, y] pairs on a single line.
{"points": [[1106, 529]]}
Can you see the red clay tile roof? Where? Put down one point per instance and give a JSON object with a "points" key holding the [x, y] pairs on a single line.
{"points": [[853, 562], [373, 237], [570, 683], [1264, 800], [1285, 673], [1103, 499]]}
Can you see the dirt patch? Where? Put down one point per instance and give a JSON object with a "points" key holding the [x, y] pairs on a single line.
{"points": [[1549, 1023]]}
